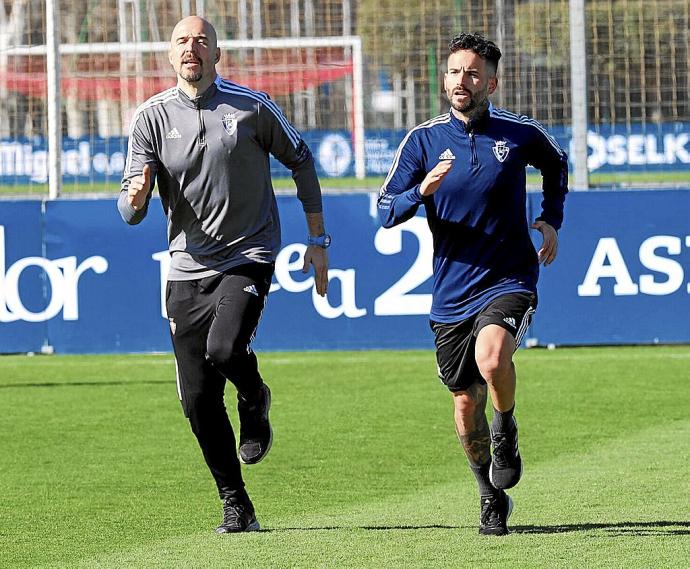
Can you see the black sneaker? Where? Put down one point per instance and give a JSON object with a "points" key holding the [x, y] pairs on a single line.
{"points": [[496, 510], [237, 517], [256, 435], [506, 464]]}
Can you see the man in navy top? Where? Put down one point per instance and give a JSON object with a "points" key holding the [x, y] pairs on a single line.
{"points": [[468, 169]]}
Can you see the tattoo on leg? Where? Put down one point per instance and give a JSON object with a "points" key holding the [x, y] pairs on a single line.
{"points": [[477, 441]]}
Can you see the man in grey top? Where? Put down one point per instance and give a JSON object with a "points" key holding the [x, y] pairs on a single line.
{"points": [[206, 142]]}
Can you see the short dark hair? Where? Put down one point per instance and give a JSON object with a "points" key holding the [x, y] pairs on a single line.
{"points": [[484, 48]]}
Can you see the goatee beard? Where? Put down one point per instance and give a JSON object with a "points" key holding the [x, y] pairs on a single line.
{"points": [[471, 107], [463, 108], [191, 77]]}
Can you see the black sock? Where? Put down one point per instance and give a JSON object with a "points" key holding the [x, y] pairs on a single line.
{"points": [[481, 473], [502, 421]]}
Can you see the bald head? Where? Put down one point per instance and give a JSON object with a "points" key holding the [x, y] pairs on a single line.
{"points": [[195, 23], [193, 54]]}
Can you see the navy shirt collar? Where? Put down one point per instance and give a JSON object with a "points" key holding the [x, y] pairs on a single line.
{"points": [[477, 124]]}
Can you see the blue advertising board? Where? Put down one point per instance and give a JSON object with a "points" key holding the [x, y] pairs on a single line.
{"points": [[22, 277], [110, 291], [623, 271], [653, 147], [76, 279], [379, 282]]}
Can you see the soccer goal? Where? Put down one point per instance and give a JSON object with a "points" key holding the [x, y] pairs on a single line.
{"points": [[316, 80]]}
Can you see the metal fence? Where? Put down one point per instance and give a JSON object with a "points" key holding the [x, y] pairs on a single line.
{"points": [[636, 71]]}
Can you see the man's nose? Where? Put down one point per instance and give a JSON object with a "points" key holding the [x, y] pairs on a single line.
{"points": [[459, 82]]}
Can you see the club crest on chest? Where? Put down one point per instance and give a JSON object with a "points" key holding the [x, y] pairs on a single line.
{"points": [[501, 150], [230, 123]]}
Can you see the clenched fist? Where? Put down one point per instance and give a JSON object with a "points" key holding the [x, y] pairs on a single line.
{"points": [[139, 189], [434, 178]]}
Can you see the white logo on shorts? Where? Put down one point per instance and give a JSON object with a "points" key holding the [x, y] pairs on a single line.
{"points": [[510, 321], [251, 289]]}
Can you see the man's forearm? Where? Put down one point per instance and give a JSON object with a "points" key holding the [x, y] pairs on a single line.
{"points": [[315, 223], [395, 208]]}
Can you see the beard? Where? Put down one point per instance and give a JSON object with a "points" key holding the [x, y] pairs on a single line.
{"points": [[468, 105], [475, 101], [191, 76]]}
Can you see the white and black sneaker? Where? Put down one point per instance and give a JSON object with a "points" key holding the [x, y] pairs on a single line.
{"points": [[496, 510], [256, 434], [506, 464]]}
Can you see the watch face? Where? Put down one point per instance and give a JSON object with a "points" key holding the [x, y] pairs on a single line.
{"points": [[326, 240]]}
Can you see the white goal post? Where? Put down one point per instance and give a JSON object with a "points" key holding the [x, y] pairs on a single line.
{"points": [[353, 43]]}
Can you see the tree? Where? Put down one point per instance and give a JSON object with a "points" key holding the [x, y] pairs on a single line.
{"points": [[408, 39]]}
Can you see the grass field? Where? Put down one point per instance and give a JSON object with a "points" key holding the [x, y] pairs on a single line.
{"points": [[99, 468]]}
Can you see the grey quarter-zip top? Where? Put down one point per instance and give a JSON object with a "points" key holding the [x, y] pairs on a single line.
{"points": [[210, 159]]}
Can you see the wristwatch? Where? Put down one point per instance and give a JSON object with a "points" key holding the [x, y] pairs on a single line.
{"points": [[323, 240]]}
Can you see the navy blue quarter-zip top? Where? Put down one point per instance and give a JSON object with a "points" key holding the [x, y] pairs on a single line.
{"points": [[473, 148], [478, 218]]}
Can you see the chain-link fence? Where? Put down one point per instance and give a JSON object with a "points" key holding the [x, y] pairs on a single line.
{"points": [[637, 76]]}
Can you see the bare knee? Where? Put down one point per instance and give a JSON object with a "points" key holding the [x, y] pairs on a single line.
{"points": [[494, 354], [494, 365], [495, 361], [467, 408], [464, 403]]}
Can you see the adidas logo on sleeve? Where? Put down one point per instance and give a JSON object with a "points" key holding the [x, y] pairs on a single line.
{"points": [[251, 289]]}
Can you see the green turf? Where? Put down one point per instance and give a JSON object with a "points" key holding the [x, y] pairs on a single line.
{"points": [[99, 468]]}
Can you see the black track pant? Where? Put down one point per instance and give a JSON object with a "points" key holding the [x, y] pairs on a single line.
{"points": [[212, 323]]}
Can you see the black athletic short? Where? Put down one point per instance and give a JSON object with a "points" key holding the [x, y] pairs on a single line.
{"points": [[455, 342]]}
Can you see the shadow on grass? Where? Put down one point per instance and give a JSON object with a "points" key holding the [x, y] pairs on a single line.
{"points": [[667, 528], [83, 383], [375, 528], [613, 529]]}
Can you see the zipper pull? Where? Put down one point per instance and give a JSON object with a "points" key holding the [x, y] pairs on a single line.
{"points": [[473, 148]]}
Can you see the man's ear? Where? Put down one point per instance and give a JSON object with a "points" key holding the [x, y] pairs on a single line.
{"points": [[493, 83], [217, 54]]}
